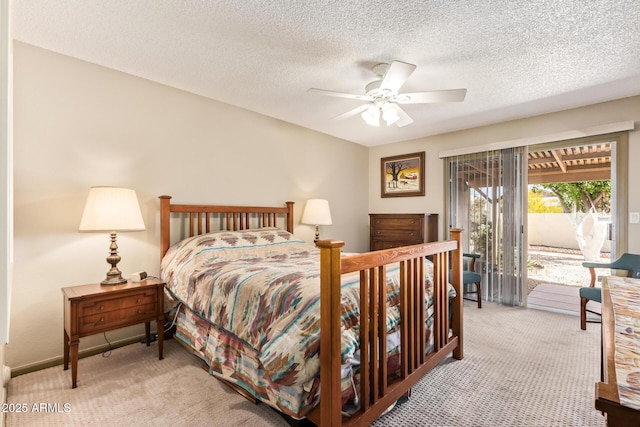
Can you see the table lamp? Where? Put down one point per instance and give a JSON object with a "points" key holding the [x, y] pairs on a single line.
{"points": [[316, 212], [112, 209]]}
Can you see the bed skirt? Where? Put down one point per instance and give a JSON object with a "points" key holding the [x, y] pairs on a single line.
{"points": [[233, 360]]}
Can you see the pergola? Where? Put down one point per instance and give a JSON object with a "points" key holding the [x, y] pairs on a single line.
{"points": [[573, 164], [583, 163]]}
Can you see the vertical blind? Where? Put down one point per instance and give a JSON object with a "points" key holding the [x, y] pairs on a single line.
{"points": [[485, 199]]}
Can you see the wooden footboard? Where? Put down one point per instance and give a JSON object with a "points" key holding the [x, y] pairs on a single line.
{"points": [[377, 391]]}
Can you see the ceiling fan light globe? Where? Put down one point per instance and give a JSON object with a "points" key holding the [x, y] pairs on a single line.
{"points": [[371, 116], [390, 114]]}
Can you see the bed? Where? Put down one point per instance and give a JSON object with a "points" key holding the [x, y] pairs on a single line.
{"points": [[315, 333]]}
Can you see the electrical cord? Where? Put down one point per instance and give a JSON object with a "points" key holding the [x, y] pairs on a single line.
{"points": [[177, 309], [107, 352], [175, 317], [166, 328]]}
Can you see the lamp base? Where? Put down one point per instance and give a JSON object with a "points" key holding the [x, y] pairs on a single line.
{"points": [[114, 276], [114, 280]]}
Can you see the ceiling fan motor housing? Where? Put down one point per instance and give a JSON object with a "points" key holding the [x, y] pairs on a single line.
{"points": [[373, 90], [380, 70]]}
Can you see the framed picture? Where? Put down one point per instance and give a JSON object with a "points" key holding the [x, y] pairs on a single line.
{"points": [[402, 176]]}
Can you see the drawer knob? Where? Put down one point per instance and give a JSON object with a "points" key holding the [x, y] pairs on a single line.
{"points": [[139, 311], [102, 307], [102, 319], [138, 300]]}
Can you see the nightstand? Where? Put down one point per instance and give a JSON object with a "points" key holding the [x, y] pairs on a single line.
{"points": [[93, 309]]}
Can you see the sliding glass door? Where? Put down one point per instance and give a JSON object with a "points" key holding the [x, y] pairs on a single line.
{"points": [[485, 198]]}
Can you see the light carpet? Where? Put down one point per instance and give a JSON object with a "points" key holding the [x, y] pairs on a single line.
{"points": [[521, 368]]}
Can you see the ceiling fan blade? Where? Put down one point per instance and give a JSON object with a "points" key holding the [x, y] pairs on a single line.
{"points": [[351, 113], [404, 117], [451, 95], [340, 94], [396, 75]]}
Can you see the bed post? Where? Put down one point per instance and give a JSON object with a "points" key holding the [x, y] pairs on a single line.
{"points": [[330, 344], [290, 216], [165, 216], [456, 281]]}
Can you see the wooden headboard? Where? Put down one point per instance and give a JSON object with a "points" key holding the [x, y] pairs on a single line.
{"points": [[207, 218]]}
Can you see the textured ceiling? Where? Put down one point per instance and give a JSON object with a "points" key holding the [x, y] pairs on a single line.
{"points": [[516, 58]]}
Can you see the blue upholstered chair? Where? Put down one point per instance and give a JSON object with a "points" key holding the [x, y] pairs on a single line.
{"points": [[628, 262], [471, 277]]}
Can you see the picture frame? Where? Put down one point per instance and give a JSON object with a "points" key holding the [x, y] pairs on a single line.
{"points": [[402, 175]]}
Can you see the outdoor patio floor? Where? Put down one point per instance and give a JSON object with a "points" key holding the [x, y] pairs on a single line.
{"points": [[560, 299], [554, 278]]}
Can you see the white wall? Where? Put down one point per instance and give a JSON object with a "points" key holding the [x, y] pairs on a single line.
{"points": [[557, 230], [5, 187], [578, 118], [79, 125]]}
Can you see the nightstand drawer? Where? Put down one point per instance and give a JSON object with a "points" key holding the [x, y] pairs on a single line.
{"points": [[87, 308], [111, 319]]}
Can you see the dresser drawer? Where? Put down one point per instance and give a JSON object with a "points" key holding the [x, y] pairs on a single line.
{"points": [[99, 306], [398, 234], [111, 319], [397, 224]]}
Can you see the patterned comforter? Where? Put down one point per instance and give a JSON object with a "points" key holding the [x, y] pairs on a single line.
{"points": [[262, 289]]}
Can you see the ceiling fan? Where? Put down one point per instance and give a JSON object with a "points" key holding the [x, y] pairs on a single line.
{"points": [[383, 99]]}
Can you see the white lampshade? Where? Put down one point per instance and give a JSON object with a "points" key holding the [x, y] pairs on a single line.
{"points": [[111, 209], [316, 212]]}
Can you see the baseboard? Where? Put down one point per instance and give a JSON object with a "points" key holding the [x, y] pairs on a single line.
{"points": [[25, 369], [6, 376], [2, 402]]}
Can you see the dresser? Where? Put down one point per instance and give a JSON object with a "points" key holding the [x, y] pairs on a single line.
{"points": [[94, 308], [394, 230]]}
